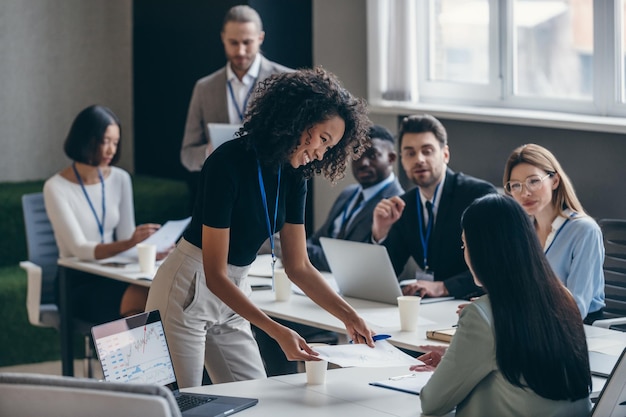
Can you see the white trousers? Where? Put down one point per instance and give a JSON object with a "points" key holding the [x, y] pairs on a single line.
{"points": [[200, 328]]}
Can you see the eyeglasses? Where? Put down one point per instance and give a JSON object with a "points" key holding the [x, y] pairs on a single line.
{"points": [[532, 183]]}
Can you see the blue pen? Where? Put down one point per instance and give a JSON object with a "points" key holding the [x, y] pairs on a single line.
{"points": [[378, 337]]}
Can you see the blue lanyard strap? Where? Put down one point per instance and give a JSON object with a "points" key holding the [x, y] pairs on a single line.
{"points": [[270, 230], [240, 111], [425, 236], [93, 210]]}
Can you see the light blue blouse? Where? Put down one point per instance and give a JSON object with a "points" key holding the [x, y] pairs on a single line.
{"points": [[575, 251]]}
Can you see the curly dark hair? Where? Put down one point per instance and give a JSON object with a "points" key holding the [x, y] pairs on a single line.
{"points": [[286, 105]]}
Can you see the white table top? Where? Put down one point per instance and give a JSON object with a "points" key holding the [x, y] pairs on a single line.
{"points": [[346, 392]]}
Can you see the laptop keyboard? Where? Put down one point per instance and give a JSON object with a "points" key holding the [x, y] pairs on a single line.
{"points": [[185, 402]]}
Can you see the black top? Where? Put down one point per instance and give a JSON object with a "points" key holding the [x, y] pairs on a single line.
{"points": [[445, 257], [229, 196]]}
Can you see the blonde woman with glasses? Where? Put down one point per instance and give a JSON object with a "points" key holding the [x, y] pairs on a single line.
{"points": [[571, 240]]}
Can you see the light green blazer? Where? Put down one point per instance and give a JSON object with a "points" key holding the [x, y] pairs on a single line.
{"points": [[468, 377]]}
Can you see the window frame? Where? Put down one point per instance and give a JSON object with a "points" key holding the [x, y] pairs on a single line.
{"points": [[497, 102]]}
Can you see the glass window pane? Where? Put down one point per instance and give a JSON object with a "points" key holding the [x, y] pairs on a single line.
{"points": [[553, 51], [459, 51]]}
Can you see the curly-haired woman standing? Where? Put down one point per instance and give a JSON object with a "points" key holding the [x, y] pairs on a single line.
{"points": [[299, 124]]}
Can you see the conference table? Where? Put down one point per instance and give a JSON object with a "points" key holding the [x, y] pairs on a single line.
{"points": [[383, 318], [346, 392]]}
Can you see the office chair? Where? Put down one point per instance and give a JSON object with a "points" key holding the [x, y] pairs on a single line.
{"points": [[41, 269], [27, 395], [614, 235]]}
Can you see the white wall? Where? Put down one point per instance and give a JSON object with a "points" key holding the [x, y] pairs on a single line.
{"points": [[58, 57], [339, 45]]}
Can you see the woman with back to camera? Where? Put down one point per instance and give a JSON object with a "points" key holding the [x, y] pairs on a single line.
{"points": [[90, 206], [299, 124], [519, 350], [571, 240]]}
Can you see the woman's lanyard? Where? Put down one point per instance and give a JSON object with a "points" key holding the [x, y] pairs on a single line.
{"points": [[93, 210], [242, 111], [425, 236], [347, 214], [559, 231], [270, 230]]}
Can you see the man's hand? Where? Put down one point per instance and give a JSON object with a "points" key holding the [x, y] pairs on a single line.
{"points": [[386, 213], [426, 289]]}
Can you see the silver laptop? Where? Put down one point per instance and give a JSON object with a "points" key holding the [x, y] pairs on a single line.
{"points": [[221, 132], [612, 399], [134, 350], [362, 270]]}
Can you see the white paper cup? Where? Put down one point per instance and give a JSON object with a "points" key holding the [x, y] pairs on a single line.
{"points": [[409, 307], [147, 257], [282, 285], [316, 372]]}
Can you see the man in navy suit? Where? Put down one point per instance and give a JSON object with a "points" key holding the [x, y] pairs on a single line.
{"points": [[425, 222], [350, 217]]}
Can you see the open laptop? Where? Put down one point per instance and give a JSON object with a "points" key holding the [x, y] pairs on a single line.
{"points": [[134, 350], [362, 270], [221, 132], [612, 399]]}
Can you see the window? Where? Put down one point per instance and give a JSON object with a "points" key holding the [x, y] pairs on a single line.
{"points": [[555, 55]]}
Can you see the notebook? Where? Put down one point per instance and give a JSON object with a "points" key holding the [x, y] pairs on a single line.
{"points": [[612, 399], [602, 364], [362, 270], [221, 132], [134, 350]]}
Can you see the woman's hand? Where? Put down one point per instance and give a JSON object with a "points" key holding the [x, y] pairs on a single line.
{"points": [[460, 307], [294, 346], [431, 359], [359, 332], [162, 255], [144, 231]]}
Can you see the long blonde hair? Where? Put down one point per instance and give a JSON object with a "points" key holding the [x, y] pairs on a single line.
{"points": [[564, 196]]}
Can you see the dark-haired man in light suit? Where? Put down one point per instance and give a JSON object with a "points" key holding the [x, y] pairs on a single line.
{"points": [[425, 222]]}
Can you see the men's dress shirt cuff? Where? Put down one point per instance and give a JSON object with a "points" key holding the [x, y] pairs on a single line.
{"points": [[378, 242]]}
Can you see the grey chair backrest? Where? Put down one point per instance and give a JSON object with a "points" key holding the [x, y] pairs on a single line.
{"points": [[27, 395], [41, 244], [614, 234]]}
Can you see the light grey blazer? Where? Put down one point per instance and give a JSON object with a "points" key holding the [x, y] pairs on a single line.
{"points": [[210, 105], [468, 377]]}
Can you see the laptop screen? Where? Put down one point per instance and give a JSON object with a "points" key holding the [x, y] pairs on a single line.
{"points": [[134, 350], [612, 399]]}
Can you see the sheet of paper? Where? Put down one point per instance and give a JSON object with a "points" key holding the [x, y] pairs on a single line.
{"points": [[163, 238], [410, 383], [383, 354]]}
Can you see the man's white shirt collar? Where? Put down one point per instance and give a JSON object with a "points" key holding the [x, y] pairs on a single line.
{"points": [[251, 75]]}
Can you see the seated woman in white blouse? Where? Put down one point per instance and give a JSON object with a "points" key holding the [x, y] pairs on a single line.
{"points": [[90, 206], [519, 350]]}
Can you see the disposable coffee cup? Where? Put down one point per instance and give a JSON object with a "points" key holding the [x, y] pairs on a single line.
{"points": [[316, 372], [147, 257], [409, 307], [282, 285]]}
